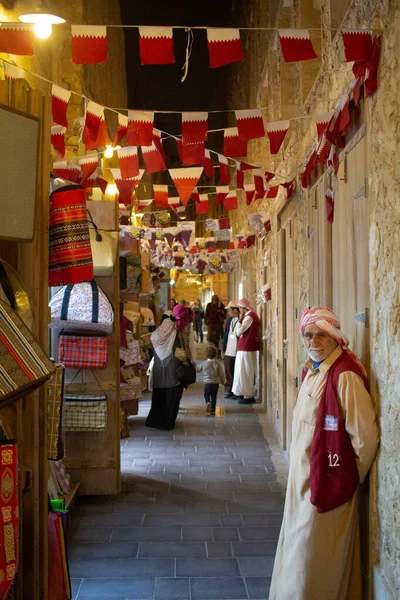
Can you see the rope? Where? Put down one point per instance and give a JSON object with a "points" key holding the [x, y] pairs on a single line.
{"points": [[189, 47]]}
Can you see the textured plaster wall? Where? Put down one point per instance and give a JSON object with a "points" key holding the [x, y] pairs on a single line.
{"points": [[281, 88]]}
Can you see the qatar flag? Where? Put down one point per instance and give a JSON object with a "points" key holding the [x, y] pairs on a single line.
{"points": [[174, 202], [371, 78], [234, 144], [296, 45], [357, 45], [259, 183], [224, 46], [125, 187], [156, 45], [250, 190], [63, 170], [194, 127], [273, 191], [153, 161], [13, 72], [203, 205], [59, 104], [185, 181], [322, 122], [17, 38], [276, 133], [191, 154], [250, 124], [102, 140], [128, 161], [208, 166], [330, 206], [224, 175], [144, 203], [160, 194], [290, 186], [89, 44], [221, 192], [88, 165], [239, 177], [58, 140], [94, 114], [122, 129], [158, 142], [140, 128]]}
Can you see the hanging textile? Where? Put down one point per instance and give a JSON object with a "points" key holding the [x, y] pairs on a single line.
{"points": [[9, 519]]}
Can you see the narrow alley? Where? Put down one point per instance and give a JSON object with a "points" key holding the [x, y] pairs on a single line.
{"points": [[198, 517]]}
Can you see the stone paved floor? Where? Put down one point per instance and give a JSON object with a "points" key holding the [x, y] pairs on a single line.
{"points": [[199, 516]]}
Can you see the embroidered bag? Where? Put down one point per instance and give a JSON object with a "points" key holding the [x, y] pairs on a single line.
{"points": [[9, 520], [333, 469], [131, 354], [85, 412], [82, 306], [55, 393], [23, 364], [82, 350]]}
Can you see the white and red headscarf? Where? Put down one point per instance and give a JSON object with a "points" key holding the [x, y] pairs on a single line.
{"points": [[244, 303], [326, 320], [163, 338]]}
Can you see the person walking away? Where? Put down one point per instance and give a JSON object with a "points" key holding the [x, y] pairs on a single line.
{"points": [[213, 375], [214, 319], [248, 331], [334, 442], [229, 344], [198, 320]]}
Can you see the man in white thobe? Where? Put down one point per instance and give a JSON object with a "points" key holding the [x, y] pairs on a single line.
{"points": [[248, 332]]}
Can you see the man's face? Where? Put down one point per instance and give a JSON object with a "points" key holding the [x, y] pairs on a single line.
{"points": [[231, 312], [318, 343]]}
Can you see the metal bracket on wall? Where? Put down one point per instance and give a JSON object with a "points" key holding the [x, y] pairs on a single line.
{"points": [[344, 178], [363, 317]]}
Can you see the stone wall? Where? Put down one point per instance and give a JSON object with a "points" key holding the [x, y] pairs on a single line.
{"points": [[294, 90]]}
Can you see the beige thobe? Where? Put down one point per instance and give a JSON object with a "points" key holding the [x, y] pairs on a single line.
{"points": [[318, 554]]}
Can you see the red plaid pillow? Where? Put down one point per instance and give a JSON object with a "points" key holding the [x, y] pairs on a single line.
{"points": [[82, 351]]}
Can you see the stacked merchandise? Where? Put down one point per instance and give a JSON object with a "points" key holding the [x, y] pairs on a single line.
{"points": [[130, 359]]}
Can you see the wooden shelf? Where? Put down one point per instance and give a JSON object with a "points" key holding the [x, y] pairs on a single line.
{"points": [[71, 495]]}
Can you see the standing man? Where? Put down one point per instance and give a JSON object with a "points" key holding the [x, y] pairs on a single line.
{"points": [[214, 319], [229, 343], [334, 442], [248, 331]]}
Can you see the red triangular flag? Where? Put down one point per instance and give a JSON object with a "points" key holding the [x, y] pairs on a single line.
{"points": [[185, 181], [122, 129], [329, 199], [88, 166], [153, 161], [221, 192], [276, 134], [156, 45], [259, 184], [140, 128], [224, 46], [322, 122], [208, 166], [250, 241], [13, 72], [194, 127], [250, 190], [296, 45], [224, 175], [224, 222], [89, 44], [59, 104], [102, 140], [16, 38], [71, 173], [357, 45], [250, 124], [160, 194], [94, 114], [203, 206], [102, 183], [58, 140], [128, 161], [125, 187], [234, 144], [231, 201]]}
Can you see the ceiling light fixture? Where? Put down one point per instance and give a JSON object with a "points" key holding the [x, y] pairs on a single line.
{"points": [[42, 20]]}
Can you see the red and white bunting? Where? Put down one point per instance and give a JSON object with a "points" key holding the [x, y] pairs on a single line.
{"points": [[208, 166], [102, 183], [144, 203], [203, 205], [276, 134], [140, 128], [122, 129], [224, 175], [268, 176], [250, 124], [224, 223], [17, 38], [250, 190], [125, 187], [13, 72], [158, 142], [185, 181], [153, 161], [290, 186], [234, 144], [160, 194], [59, 104], [89, 44], [357, 45], [273, 191], [94, 115], [102, 140], [88, 165], [174, 201], [195, 195], [333, 159], [194, 127], [68, 172], [296, 45], [224, 46], [239, 177], [330, 206], [322, 121], [259, 183], [231, 201], [371, 78], [191, 154], [222, 191], [156, 45], [128, 161], [58, 140]]}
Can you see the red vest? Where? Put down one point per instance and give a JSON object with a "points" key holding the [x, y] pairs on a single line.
{"points": [[333, 469], [249, 341]]}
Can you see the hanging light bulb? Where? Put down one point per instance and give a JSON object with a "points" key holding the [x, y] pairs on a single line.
{"points": [[43, 21], [108, 152]]}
